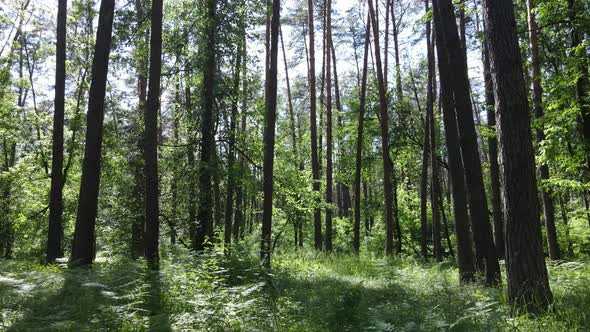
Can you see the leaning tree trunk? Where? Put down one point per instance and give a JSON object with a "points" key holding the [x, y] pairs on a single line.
{"points": [[83, 245], [465, 256], [548, 206], [485, 251], [528, 285], [55, 231]]}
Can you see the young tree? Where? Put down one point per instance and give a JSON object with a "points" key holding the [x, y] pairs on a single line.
{"points": [[152, 210], [270, 118], [55, 231], [528, 285], [83, 246]]}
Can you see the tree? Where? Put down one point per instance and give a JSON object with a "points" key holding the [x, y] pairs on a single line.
{"points": [[528, 285], [537, 97], [359, 144], [329, 143], [495, 186], [55, 230], [485, 251], [269, 135], [83, 246], [464, 243], [315, 165], [204, 227], [152, 210], [387, 165]]}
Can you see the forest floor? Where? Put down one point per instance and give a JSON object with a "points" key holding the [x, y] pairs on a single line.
{"points": [[304, 292]]}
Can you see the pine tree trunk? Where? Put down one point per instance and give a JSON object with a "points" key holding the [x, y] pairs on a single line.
{"points": [[329, 140], [485, 251], [315, 166], [204, 227], [83, 245], [359, 150], [55, 231], [465, 256], [269, 136], [493, 155], [152, 209], [528, 285], [387, 166]]}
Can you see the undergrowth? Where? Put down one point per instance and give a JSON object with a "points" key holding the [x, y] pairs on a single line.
{"points": [[305, 291]]}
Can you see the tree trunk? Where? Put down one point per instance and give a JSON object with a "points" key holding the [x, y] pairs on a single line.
{"points": [[204, 227], [387, 186], [528, 285], [269, 136], [548, 207], [239, 222], [55, 231], [152, 209], [434, 185], [83, 245], [485, 251], [329, 143], [493, 154], [359, 150], [464, 243], [315, 166]]}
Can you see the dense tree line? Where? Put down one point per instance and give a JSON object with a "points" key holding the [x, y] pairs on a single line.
{"points": [[194, 136]]}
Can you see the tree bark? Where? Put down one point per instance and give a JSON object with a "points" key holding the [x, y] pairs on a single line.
{"points": [[329, 139], [83, 245], [269, 136], [315, 166], [55, 231], [359, 149], [387, 186], [204, 227], [528, 285], [465, 256], [493, 154], [485, 251]]}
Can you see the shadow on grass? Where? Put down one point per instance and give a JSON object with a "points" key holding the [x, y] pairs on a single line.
{"points": [[112, 297]]}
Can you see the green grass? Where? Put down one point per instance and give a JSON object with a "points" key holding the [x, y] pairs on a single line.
{"points": [[305, 291]]}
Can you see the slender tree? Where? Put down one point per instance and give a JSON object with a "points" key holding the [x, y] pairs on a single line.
{"points": [[55, 231], [528, 285], [329, 140], [387, 165], [152, 210], [204, 227], [495, 186], [315, 165], [270, 117], [537, 97], [359, 146], [83, 246]]}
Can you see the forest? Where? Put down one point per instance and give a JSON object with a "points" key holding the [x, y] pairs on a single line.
{"points": [[318, 165]]}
